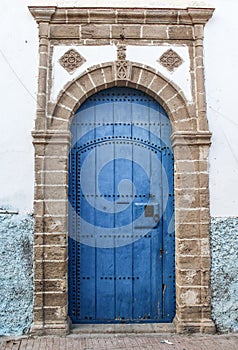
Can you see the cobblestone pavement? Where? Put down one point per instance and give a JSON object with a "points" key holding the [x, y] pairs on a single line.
{"points": [[124, 341]]}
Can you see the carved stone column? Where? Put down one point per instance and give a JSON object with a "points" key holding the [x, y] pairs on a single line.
{"points": [[50, 233], [192, 232]]}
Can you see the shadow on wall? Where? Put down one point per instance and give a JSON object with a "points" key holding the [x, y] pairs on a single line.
{"points": [[224, 273], [16, 273]]}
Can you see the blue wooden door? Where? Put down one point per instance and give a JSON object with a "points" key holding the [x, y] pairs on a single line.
{"points": [[121, 223]]}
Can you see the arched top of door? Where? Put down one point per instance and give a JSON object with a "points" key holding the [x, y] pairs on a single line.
{"points": [[133, 75]]}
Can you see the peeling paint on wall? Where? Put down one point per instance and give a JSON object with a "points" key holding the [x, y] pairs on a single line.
{"points": [[16, 285], [224, 273], [16, 272]]}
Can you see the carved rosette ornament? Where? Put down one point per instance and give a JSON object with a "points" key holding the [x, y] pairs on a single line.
{"points": [[170, 60], [71, 60], [122, 66]]}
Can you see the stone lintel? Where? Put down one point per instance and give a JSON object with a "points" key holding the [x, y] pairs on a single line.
{"points": [[80, 15]]}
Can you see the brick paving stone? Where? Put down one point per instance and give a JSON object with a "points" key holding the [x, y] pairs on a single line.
{"points": [[124, 342], [23, 344], [43, 344]]}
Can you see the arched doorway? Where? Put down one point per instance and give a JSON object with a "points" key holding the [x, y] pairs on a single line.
{"points": [[121, 222]]}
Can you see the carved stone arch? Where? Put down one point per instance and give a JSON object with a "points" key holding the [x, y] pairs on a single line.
{"points": [[141, 77]]}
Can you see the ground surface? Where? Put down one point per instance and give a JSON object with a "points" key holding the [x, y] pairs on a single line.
{"points": [[124, 341]]}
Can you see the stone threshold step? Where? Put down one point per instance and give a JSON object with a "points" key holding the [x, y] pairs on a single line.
{"points": [[123, 328]]}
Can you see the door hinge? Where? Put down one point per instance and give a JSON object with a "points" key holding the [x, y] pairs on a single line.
{"points": [[161, 251]]}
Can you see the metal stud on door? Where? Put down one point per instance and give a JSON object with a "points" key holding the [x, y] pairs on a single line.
{"points": [[121, 224]]}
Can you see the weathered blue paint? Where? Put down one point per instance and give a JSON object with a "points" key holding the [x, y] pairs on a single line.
{"points": [[224, 273], [121, 225], [16, 274]]}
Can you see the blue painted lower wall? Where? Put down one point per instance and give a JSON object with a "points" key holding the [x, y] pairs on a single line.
{"points": [[224, 273], [16, 274]]}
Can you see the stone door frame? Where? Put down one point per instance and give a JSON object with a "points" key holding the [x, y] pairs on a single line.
{"points": [[191, 142]]}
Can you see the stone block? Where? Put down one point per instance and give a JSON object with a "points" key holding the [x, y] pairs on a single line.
{"points": [[200, 79], [190, 313], [39, 207], [187, 198], [58, 163], [51, 252], [204, 180], [55, 178], [97, 42], [158, 84], [188, 262], [188, 180], [189, 167], [154, 32], [108, 74], [53, 192], [204, 229], [180, 32], [187, 230], [55, 224], [176, 103], [58, 124], [101, 15], [146, 78], [205, 262], [86, 84], [50, 299], [189, 278], [186, 152], [92, 31], [42, 76], [188, 247], [39, 149], [129, 32], [56, 239], [76, 91], [136, 16], [135, 74], [97, 78], [161, 16], [67, 101], [64, 31], [53, 314], [187, 215], [61, 112], [51, 286], [186, 125], [50, 270], [188, 296], [180, 110], [168, 93], [56, 207], [77, 16]]}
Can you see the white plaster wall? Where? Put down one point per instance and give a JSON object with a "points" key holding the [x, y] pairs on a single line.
{"points": [[18, 84], [92, 54], [150, 57], [221, 63], [99, 54]]}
